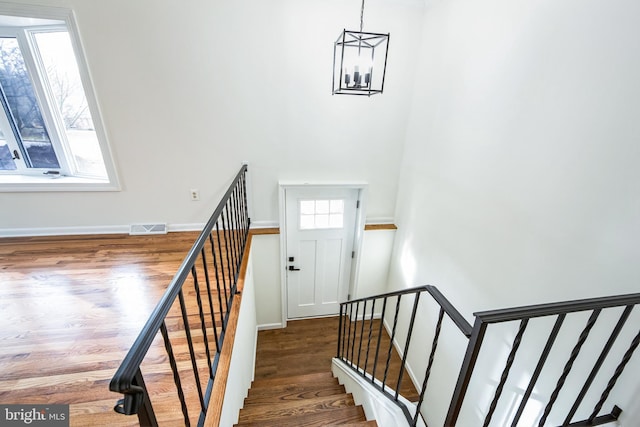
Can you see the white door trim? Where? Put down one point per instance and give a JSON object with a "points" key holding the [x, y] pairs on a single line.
{"points": [[362, 188]]}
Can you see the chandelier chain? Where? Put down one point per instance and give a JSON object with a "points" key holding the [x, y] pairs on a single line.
{"points": [[362, 16]]}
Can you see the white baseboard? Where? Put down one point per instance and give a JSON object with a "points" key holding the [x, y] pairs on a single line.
{"points": [[268, 326], [185, 227], [63, 231], [80, 230], [265, 224], [379, 220]]}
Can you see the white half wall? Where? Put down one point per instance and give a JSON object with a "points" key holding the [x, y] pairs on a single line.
{"points": [[243, 362], [266, 251]]}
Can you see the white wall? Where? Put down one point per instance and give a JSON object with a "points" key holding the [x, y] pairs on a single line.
{"points": [[189, 90], [266, 264], [373, 268], [520, 181]]}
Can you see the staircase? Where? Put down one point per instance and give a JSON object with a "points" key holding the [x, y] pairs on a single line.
{"points": [[301, 401]]}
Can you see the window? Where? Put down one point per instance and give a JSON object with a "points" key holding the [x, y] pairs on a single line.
{"points": [[316, 214], [50, 138]]}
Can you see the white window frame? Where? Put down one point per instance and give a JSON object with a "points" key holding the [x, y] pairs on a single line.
{"points": [[33, 179]]}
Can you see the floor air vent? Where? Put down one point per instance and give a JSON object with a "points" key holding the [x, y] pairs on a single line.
{"points": [[148, 229]]}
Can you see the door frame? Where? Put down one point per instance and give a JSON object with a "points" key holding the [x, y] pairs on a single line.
{"points": [[358, 233]]}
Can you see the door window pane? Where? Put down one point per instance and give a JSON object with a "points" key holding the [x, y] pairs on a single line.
{"points": [[318, 214], [23, 106], [322, 206], [307, 207]]}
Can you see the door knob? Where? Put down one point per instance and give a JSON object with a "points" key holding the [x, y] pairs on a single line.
{"points": [[292, 268]]}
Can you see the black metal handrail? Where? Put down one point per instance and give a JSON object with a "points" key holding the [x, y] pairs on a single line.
{"points": [[357, 328], [212, 263]]}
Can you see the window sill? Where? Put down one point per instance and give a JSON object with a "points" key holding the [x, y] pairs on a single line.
{"points": [[28, 183]]}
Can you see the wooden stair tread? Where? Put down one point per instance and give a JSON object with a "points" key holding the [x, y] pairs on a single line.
{"points": [[289, 392], [370, 423], [316, 378], [347, 416], [295, 407]]}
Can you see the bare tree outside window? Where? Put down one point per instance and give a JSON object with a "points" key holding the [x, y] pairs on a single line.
{"points": [[62, 72], [23, 106]]}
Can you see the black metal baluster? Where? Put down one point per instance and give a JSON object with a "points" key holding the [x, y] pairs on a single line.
{"points": [[536, 373], [240, 225], [247, 222], [614, 378], [241, 213], [364, 309], [405, 354], [355, 328], [246, 205], [196, 286], [231, 208], [237, 229], [208, 280], [349, 336], [229, 247], [227, 252], [176, 374], [187, 331], [232, 246], [505, 373], [599, 362], [393, 335], [569, 365], [344, 332], [217, 274], [366, 358], [339, 331], [375, 361], [222, 273], [432, 355]]}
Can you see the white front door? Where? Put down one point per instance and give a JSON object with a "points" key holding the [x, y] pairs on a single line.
{"points": [[320, 227]]}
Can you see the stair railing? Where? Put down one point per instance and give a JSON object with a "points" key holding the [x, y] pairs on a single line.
{"points": [[360, 338], [618, 308], [362, 344], [198, 301]]}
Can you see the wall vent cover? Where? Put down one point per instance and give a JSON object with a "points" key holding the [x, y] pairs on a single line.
{"points": [[137, 229]]}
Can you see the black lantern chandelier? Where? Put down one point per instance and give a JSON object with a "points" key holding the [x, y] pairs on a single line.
{"points": [[359, 61]]}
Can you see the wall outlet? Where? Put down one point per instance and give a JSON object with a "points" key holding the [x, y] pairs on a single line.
{"points": [[195, 194]]}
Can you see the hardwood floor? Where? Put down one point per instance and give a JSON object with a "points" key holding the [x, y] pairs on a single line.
{"points": [[307, 347], [71, 306]]}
